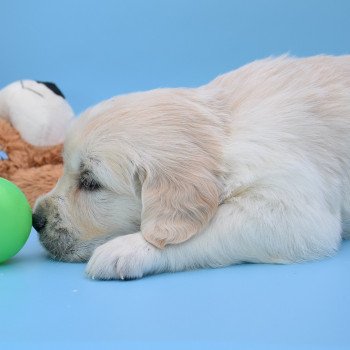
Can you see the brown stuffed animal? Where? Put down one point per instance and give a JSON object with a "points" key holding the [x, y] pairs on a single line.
{"points": [[34, 116], [35, 170]]}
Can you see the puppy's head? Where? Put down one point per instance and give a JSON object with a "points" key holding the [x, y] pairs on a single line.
{"points": [[132, 163]]}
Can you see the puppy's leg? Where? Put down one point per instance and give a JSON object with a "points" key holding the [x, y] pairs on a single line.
{"points": [[248, 229]]}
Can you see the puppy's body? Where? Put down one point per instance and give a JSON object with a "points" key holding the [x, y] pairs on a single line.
{"points": [[252, 167]]}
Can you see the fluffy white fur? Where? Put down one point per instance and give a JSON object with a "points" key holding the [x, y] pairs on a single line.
{"points": [[252, 167]]}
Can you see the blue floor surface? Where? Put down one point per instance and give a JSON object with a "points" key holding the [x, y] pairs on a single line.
{"points": [[52, 305]]}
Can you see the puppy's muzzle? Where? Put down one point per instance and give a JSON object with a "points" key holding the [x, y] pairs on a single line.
{"points": [[39, 221]]}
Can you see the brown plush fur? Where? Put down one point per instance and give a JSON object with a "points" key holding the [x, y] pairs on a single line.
{"points": [[35, 170]]}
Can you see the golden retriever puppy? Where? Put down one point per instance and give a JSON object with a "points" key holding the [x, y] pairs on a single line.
{"points": [[252, 167]]}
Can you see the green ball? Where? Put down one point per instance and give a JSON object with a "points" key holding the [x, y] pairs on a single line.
{"points": [[15, 219]]}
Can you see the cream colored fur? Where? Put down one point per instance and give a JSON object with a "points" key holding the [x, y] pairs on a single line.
{"points": [[252, 167]]}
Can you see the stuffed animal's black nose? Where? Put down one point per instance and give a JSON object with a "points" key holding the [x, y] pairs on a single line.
{"points": [[39, 222]]}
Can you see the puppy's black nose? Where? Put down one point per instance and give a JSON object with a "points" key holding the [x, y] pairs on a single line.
{"points": [[39, 222]]}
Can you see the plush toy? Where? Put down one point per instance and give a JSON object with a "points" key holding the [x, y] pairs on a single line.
{"points": [[33, 119]]}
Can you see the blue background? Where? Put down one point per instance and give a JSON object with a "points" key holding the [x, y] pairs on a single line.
{"points": [[96, 49]]}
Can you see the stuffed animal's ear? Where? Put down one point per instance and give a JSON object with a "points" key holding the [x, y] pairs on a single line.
{"points": [[53, 87], [176, 207]]}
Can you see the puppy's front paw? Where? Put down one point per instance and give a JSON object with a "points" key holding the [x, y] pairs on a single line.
{"points": [[125, 257]]}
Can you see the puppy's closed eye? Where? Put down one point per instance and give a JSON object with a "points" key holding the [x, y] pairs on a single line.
{"points": [[87, 182]]}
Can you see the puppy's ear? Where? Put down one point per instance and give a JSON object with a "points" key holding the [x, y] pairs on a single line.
{"points": [[175, 207]]}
